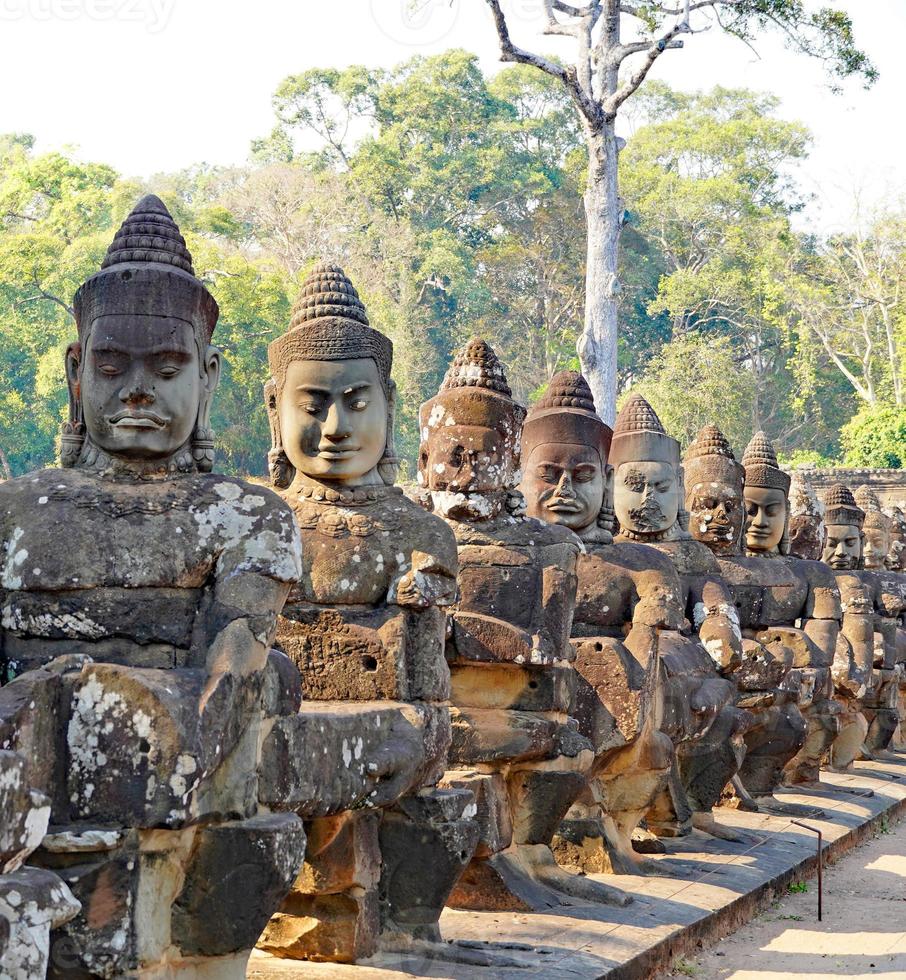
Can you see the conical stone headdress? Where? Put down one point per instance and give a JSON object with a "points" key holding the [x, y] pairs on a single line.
{"points": [[566, 414], [638, 436], [147, 270], [840, 507], [710, 459], [761, 467], [474, 392], [804, 502], [869, 502], [329, 323]]}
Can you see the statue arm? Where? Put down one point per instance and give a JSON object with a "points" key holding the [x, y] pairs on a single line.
{"points": [[717, 622], [558, 596]]}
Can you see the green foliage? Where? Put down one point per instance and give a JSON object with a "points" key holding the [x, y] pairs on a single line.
{"points": [[797, 887], [876, 436], [696, 380]]}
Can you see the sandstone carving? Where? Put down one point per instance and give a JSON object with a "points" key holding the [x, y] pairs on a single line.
{"points": [[514, 742], [854, 678], [141, 594], [701, 715], [627, 601], [890, 605], [782, 665], [362, 754]]}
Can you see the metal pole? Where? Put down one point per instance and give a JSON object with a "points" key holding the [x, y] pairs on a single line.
{"points": [[814, 830]]}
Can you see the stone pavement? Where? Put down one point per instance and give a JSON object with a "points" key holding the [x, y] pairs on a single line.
{"points": [[862, 934], [715, 889]]}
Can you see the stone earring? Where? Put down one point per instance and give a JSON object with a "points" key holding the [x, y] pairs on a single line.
{"points": [[72, 435], [280, 469], [203, 449], [72, 439]]}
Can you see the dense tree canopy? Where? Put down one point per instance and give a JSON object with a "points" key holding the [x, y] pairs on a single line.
{"points": [[454, 202]]}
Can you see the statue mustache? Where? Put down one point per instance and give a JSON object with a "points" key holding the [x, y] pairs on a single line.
{"points": [[649, 513]]}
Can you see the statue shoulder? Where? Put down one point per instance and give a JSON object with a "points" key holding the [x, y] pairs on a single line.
{"points": [[425, 532], [252, 527]]}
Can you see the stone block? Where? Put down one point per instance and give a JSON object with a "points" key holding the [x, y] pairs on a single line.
{"points": [[32, 903], [236, 878], [517, 688], [339, 928], [139, 745], [491, 735], [24, 813], [427, 840], [492, 814], [342, 853], [335, 756]]}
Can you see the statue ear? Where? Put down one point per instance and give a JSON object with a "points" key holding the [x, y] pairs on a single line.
{"points": [[281, 470], [72, 437], [389, 464], [203, 437]]}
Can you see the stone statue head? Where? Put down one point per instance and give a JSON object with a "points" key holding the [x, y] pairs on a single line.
{"points": [[142, 373], [469, 454], [330, 399], [876, 529], [807, 530], [647, 475], [564, 450], [844, 520], [714, 492], [896, 559], [766, 499]]}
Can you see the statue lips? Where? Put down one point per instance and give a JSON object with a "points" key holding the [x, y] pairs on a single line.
{"points": [[564, 505], [130, 419]]}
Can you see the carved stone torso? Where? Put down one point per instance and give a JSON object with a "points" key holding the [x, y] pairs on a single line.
{"points": [[517, 575], [766, 591], [612, 579], [349, 623], [121, 569]]}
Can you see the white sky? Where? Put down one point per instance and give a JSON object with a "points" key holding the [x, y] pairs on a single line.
{"points": [[153, 85]]}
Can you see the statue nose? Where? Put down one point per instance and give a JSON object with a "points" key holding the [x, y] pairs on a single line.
{"points": [[136, 392]]}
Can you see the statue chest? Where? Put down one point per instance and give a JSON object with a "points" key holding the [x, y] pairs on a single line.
{"points": [[70, 540], [766, 591], [350, 556], [604, 598], [504, 581]]}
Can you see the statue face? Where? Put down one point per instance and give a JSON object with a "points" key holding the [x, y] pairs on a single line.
{"points": [[843, 548], [807, 536], [875, 547], [646, 496], [765, 518], [460, 464], [141, 384], [563, 484], [716, 515], [333, 419]]}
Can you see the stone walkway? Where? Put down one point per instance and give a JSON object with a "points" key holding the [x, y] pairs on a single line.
{"points": [[714, 889], [862, 934]]}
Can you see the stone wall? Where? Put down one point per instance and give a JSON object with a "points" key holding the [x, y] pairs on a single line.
{"points": [[889, 485]]}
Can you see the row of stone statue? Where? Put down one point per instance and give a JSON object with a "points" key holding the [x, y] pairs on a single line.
{"points": [[311, 722]]}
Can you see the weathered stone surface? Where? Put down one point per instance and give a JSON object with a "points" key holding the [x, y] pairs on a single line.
{"points": [[238, 873], [334, 756], [432, 828], [141, 641], [492, 811], [511, 625], [365, 625], [32, 903]]}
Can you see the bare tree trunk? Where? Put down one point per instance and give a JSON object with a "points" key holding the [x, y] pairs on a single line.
{"points": [[4, 464], [597, 344]]}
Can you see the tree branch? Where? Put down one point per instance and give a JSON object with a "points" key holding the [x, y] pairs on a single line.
{"points": [[566, 75], [655, 50]]}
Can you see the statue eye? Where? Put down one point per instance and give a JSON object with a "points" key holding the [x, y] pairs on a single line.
{"points": [[584, 475], [168, 371], [358, 404], [456, 456], [109, 370]]}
